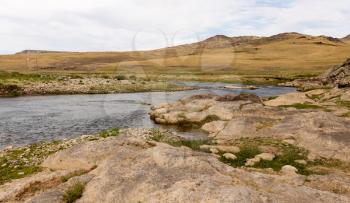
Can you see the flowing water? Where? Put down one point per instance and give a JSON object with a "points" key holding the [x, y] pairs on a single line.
{"points": [[25, 120]]}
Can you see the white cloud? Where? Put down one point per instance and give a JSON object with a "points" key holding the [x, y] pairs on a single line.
{"points": [[91, 25]]}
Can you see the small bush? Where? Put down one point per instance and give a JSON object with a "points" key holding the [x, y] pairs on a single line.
{"points": [[120, 77], [132, 77], [112, 132], [73, 193]]}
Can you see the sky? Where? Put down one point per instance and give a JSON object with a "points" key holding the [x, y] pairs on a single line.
{"points": [[128, 25]]}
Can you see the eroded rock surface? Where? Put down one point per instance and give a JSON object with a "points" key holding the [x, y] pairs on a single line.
{"points": [[235, 116], [130, 168]]}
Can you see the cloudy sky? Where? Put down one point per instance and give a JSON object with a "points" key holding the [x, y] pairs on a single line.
{"points": [[118, 25]]}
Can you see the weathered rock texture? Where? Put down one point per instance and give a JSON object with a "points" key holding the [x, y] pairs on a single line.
{"points": [[231, 117], [131, 169]]}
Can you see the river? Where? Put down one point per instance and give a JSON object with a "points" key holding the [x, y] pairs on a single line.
{"points": [[25, 120]]}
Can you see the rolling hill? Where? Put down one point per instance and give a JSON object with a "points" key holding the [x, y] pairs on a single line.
{"points": [[282, 54]]}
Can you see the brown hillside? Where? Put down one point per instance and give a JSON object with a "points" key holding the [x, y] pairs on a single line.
{"points": [[286, 53]]}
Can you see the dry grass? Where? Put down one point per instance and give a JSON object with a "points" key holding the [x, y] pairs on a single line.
{"points": [[286, 56]]}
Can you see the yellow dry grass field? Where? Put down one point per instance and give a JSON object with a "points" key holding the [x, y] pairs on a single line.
{"points": [[286, 54]]}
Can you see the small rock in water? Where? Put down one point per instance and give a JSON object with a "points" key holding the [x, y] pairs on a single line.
{"points": [[230, 156], [289, 170]]}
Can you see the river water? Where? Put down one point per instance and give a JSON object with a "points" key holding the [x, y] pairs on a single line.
{"points": [[25, 120]]}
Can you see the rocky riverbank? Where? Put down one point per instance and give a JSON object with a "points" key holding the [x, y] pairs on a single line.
{"points": [[292, 148], [85, 85], [140, 165]]}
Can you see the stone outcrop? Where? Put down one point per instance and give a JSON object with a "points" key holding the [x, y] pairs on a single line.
{"points": [[323, 133], [338, 76], [130, 168]]}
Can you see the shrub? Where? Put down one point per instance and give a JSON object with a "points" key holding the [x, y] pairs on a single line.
{"points": [[132, 77], [120, 77], [112, 132], [73, 193]]}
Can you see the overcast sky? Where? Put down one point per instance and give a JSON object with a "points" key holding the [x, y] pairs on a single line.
{"points": [[118, 25]]}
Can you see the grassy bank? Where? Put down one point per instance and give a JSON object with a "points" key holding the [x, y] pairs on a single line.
{"points": [[20, 84], [24, 161]]}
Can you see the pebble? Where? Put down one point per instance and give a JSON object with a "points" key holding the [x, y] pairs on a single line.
{"points": [[253, 161], [214, 150], [230, 156], [289, 170], [303, 162], [266, 156]]}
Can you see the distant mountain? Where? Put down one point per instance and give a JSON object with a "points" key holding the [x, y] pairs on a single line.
{"points": [[347, 38], [29, 51]]}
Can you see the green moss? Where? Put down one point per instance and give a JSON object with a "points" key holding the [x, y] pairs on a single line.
{"points": [[302, 106], [112, 132], [193, 144], [73, 193]]}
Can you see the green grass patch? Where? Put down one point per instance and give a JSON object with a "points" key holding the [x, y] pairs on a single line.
{"points": [[73, 193], [112, 132], [22, 162], [33, 77], [302, 106], [193, 144], [286, 154]]}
